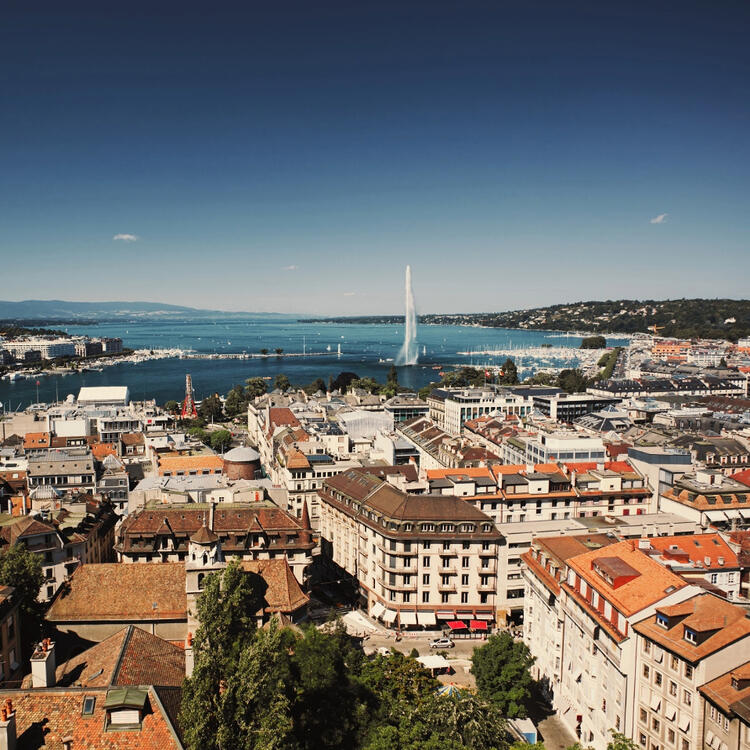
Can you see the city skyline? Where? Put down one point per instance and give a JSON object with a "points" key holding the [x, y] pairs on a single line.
{"points": [[514, 156]]}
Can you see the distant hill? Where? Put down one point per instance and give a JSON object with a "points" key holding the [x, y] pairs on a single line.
{"points": [[682, 318], [53, 309]]}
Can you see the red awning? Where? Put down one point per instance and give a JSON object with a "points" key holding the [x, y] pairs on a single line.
{"points": [[457, 625], [478, 625]]}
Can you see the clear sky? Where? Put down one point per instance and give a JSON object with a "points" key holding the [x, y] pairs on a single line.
{"points": [[295, 156]]}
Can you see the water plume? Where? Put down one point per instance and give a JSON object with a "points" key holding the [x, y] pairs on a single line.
{"points": [[409, 353]]}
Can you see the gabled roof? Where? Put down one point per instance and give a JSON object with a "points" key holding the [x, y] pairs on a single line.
{"points": [[131, 656]]}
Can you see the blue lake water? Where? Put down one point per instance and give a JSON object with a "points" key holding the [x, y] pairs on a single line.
{"points": [[365, 350]]}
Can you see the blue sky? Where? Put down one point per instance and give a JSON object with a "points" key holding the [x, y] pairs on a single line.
{"points": [[294, 156]]}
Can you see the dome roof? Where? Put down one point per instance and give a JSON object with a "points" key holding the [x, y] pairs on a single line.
{"points": [[242, 454]]}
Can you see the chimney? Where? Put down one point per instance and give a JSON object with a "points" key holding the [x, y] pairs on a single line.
{"points": [[600, 466], [43, 665], [189, 655], [8, 726], [644, 544], [572, 479]]}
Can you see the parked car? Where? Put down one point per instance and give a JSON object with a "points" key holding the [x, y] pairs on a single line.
{"points": [[442, 643]]}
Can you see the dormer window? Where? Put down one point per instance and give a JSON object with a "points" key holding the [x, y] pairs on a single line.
{"points": [[125, 708], [662, 620], [691, 636]]}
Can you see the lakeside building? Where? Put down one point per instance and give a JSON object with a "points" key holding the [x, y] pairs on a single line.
{"points": [[706, 385], [49, 348], [420, 560]]}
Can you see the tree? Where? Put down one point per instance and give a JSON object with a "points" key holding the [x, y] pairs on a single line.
{"points": [[509, 373], [220, 440], [264, 351], [279, 351], [593, 342], [572, 381], [173, 407], [501, 668], [281, 382], [226, 612], [199, 433], [211, 409], [620, 742], [22, 570], [236, 401], [343, 380], [255, 387]]}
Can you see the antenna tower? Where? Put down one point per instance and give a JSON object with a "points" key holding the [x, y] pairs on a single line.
{"points": [[188, 405]]}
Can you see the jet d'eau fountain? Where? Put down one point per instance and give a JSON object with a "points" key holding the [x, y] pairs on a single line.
{"points": [[409, 353]]}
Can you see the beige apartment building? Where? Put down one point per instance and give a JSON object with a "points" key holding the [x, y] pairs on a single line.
{"points": [[420, 560]]}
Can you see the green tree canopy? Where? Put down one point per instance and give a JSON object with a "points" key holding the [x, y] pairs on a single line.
{"points": [[211, 409], [572, 381], [509, 374], [22, 570], [255, 387], [281, 382], [501, 668], [172, 406], [236, 401], [342, 381], [593, 342], [221, 440]]}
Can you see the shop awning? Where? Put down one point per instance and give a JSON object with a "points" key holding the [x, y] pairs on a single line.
{"points": [[426, 618], [478, 625], [483, 616], [433, 661], [457, 625], [389, 615], [408, 618], [377, 610], [745, 514], [464, 615], [446, 615]]}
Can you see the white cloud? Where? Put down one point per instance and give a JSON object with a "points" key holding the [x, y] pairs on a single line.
{"points": [[289, 268], [660, 219], [349, 294], [126, 237]]}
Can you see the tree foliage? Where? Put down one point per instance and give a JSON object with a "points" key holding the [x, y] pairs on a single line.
{"points": [[255, 387], [509, 373], [211, 409], [22, 570], [221, 440], [236, 401], [593, 342], [501, 668], [281, 382]]}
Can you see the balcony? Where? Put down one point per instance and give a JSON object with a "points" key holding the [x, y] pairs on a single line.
{"points": [[451, 570], [446, 588], [397, 569], [486, 587], [449, 552]]}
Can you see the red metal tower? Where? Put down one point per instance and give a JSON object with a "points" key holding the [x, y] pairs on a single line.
{"points": [[188, 405]]}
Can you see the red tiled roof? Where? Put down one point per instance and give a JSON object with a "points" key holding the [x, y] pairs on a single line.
{"points": [[720, 691], [703, 549], [122, 592], [45, 717], [36, 440], [742, 476], [283, 593]]}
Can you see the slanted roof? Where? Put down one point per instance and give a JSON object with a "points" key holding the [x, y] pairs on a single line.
{"points": [[283, 594], [718, 622], [118, 592]]}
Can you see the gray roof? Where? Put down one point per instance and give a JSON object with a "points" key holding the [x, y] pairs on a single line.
{"points": [[242, 454]]}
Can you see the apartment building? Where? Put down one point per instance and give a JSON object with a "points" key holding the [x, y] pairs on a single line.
{"points": [[605, 592], [451, 408], [163, 533], [680, 648], [420, 560], [10, 637], [70, 470], [726, 710]]}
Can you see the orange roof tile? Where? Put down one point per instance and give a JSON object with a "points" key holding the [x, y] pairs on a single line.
{"points": [[205, 462], [702, 549], [652, 584], [36, 440], [721, 692], [715, 619], [477, 471]]}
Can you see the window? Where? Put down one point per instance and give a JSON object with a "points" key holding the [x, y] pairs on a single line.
{"points": [[670, 736], [642, 739], [675, 663], [687, 697], [657, 678], [672, 688], [426, 562], [89, 701], [685, 744], [646, 670], [655, 724], [464, 562], [426, 579], [646, 647], [643, 715], [662, 620], [465, 580], [714, 577], [690, 636], [444, 598], [425, 597], [688, 672], [464, 597]]}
